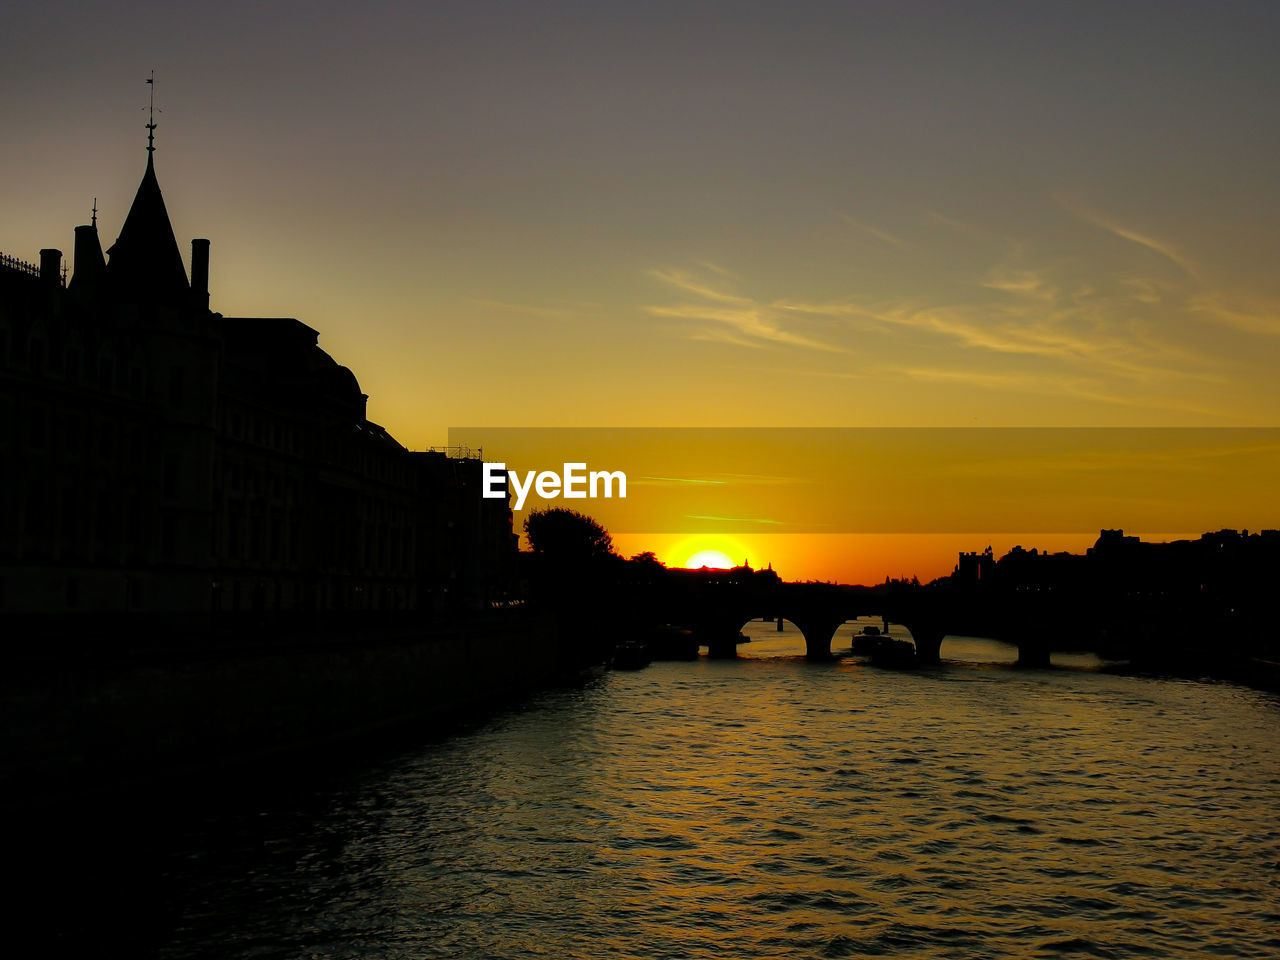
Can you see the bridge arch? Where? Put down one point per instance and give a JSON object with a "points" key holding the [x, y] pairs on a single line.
{"points": [[721, 634], [774, 636], [718, 609]]}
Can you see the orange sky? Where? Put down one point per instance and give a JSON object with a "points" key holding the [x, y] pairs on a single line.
{"points": [[858, 504], [849, 558], [724, 214]]}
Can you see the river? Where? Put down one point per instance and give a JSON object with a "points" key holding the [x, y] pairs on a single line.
{"points": [[767, 807]]}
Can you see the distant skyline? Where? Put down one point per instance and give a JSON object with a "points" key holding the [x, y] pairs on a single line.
{"points": [[719, 214]]}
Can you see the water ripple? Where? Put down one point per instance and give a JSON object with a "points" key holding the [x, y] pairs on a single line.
{"points": [[774, 808]]}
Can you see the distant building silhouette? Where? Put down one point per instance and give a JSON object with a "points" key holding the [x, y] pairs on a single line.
{"points": [[1161, 600], [167, 463], [974, 567]]}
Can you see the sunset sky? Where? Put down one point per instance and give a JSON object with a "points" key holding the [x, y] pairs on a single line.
{"points": [[711, 214]]}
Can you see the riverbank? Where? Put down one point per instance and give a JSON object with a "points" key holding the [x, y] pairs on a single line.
{"points": [[76, 723]]}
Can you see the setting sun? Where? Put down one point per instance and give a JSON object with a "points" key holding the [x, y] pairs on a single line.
{"points": [[715, 550], [715, 559]]}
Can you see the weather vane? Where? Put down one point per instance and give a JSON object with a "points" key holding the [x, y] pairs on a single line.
{"points": [[151, 114]]}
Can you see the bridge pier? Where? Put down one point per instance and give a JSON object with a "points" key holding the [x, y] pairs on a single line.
{"points": [[818, 634], [928, 642], [1033, 654], [722, 650], [720, 637]]}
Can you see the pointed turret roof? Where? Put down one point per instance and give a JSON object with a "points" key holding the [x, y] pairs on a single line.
{"points": [[145, 261]]}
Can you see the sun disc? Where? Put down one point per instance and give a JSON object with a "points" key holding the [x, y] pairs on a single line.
{"points": [[715, 559]]}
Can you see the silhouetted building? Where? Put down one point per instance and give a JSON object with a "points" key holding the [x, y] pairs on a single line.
{"points": [[1112, 541], [1141, 598], [167, 461], [972, 568]]}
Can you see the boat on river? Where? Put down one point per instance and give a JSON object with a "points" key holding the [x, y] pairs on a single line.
{"points": [[884, 650], [893, 653], [865, 642], [630, 655]]}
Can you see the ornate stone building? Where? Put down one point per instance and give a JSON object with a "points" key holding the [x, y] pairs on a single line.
{"points": [[169, 465]]}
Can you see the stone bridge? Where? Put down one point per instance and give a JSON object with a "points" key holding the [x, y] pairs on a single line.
{"points": [[718, 608]]}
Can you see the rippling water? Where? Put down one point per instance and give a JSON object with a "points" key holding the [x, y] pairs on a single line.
{"points": [[769, 807]]}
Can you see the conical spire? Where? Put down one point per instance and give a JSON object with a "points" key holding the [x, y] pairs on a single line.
{"points": [[145, 261]]}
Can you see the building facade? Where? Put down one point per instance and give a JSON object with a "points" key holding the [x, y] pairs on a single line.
{"points": [[167, 464]]}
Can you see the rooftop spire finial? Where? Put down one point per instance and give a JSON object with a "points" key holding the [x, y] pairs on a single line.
{"points": [[151, 114], [94, 221]]}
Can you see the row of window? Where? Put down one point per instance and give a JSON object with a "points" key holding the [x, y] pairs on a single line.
{"points": [[233, 595], [237, 476], [78, 435], [359, 453], [263, 431], [103, 526], [104, 372], [128, 593], [243, 534]]}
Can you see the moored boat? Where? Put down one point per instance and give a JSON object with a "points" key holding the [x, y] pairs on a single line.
{"points": [[896, 654], [866, 641], [630, 655]]}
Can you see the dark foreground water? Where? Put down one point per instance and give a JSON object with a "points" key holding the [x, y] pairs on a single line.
{"points": [[768, 807]]}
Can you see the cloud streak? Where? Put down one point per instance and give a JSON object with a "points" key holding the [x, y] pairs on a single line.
{"points": [[1257, 318], [1163, 248], [1105, 324], [722, 316], [1084, 388], [874, 231]]}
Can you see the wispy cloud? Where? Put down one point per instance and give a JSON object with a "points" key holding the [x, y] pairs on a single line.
{"points": [[1167, 250], [874, 231], [766, 480], [693, 516], [1088, 324], [1111, 324], [724, 336], [992, 327], [1022, 282], [1084, 388], [989, 380], [975, 231], [717, 269], [1145, 290], [1163, 451], [671, 481], [1257, 317], [734, 479], [1199, 296], [727, 317]]}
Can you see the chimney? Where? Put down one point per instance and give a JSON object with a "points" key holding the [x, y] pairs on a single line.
{"points": [[200, 271], [50, 264], [88, 265]]}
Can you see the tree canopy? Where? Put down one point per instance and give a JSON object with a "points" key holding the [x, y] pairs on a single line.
{"points": [[564, 534]]}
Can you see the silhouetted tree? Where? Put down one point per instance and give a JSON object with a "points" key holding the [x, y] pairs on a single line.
{"points": [[566, 535]]}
